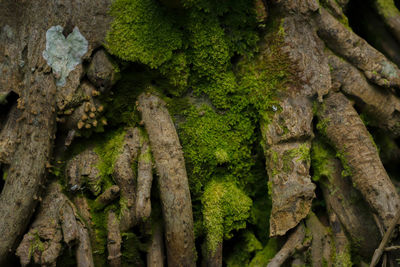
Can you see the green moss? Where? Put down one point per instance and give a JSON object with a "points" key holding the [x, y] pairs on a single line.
{"points": [[5, 174], [108, 150], [242, 253], [346, 167], [225, 208], [264, 256], [142, 31], [387, 8], [321, 158], [131, 248], [215, 143], [343, 259]]}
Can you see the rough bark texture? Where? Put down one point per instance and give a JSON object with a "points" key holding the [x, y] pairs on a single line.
{"points": [[340, 196], [114, 240], [173, 183], [155, 254], [321, 242], [346, 131], [125, 177], [288, 136], [144, 181], [25, 71], [347, 44], [381, 105], [295, 241]]}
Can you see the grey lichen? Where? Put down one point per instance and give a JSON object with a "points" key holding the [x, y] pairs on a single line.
{"points": [[64, 54]]}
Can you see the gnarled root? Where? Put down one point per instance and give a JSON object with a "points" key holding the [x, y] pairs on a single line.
{"points": [[155, 253], [293, 244], [173, 182], [114, 240], [341, 124], [56, 224]]}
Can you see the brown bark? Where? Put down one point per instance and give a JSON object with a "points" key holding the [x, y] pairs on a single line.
{"points": [[25, 71], [346, 207], [114, 240], [376, 67], [173, 182], [108, 196], [125, 177], [155, 254], [342, 245], [144, 180], [381, 105], [287, 138], [346, 131], [294, 242], [212, 258], [321, 242]]}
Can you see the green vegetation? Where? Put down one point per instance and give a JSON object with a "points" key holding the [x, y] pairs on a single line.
{"points": [[204, 59], [225, 208], [244, 251]]}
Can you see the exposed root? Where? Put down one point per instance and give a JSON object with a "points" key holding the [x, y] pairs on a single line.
{"points": [[108, 196], [342, 254], [381, 105], [55, 222], [125, 177], [114, 240], [321, 242], [390, 15], [173, 182], [144, 180], [212, 258], [343, 201], [81, 170], [344, 128], [294, 243], [155, 253], [376, 67]]}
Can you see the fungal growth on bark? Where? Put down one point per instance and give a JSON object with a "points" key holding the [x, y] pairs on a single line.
{"points": [[199, 133]]}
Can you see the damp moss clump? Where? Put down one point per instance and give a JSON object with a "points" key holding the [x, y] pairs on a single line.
{"points": [[244, 251], [225, 209], [321, 158], [108, 150], [142, 31], [214, 144]]}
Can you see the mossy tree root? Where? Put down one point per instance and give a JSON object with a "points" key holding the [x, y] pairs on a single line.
{"points": [[173, 182], [346, 131], [55, 226]]}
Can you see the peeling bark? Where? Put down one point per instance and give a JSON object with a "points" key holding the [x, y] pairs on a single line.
{"points": [[173, 182], [351, 139]]}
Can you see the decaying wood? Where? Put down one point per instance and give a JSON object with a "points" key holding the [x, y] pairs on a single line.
{"points": [[381, 105], [144, 181], [155, 253], [321, 242], [173, 182], [114, 240], [294, 242], [348, 134], [125, 177]]}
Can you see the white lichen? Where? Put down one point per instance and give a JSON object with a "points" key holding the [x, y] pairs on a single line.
{"points": [[64, 54]]}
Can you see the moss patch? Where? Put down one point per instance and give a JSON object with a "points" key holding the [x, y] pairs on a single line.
{"points": [[225, 208]]}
